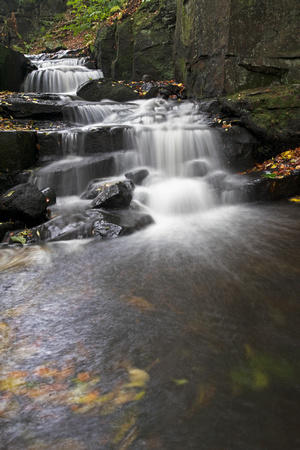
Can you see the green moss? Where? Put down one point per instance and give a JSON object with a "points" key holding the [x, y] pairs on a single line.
{"points": [[274, 110]]}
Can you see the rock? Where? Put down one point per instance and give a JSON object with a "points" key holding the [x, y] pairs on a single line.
{"points": [[266, 189], [37, 106], [116, 196], [238, 55], [50, 195], [6, 227], [198, 168], [216, 180], [104, 229], [101, 89], [81, 225], [152, 93], [137, 176], [13, 69], [124, 50], [272, 115], [17, 150], [24, 202]]}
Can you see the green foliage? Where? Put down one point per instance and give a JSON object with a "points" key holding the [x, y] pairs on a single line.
{"points": [[89, 12]]}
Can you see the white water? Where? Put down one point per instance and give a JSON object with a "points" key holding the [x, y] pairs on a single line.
{"points": [[59, 76], [171, 139]]}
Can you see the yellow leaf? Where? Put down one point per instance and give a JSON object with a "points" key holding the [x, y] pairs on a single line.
{"points": [[138, 378], [9, 194]]}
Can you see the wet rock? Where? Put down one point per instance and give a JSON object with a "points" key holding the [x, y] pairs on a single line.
{"points": [[71, 176], [82, 225], [239, 147], [198, 168], [216, 180], [152, 93], [13, 69], [50, 195], [23, 202], [265, 189], [101, 89], [116, 196], [137, 176], [105, 229], [17, 150], [5, 227], [37, 106]]}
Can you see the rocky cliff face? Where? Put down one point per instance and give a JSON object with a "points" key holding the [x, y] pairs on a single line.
{"points": [[139, 44], [222, 46], [13, 68], [30, 14]]}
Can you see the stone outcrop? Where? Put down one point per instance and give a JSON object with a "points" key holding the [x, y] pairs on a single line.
{"points": [[222, 46], [13, 69], [139, 44], [30, 15]]}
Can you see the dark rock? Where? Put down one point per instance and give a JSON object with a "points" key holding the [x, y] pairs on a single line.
{"points": [[147, 78], [81, 225], [17, 150], [152, 93], [38, 106], [50, 195], [137, 176], [124, 50], [272, 115], [101, 89], [24, 202], [266, 189], [115, 196], [239, 55], [13, 69], [6, 227], [239, 147]]}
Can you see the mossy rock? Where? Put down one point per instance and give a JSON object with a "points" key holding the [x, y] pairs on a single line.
{"points": [[272, 114]]}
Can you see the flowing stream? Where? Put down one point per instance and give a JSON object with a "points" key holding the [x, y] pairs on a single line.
{"points": [[184, 335]]}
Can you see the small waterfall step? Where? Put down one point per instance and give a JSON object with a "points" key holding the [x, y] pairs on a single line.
{"points": [[59, 76]]}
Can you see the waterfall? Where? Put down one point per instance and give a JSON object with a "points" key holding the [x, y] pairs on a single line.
{"points": [[59, 76], [171, 139]]}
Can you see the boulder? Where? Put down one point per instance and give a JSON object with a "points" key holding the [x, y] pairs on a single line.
{"points": [[137, 176], [198, 168], [101, 89], [24, 202], [115, 196]]}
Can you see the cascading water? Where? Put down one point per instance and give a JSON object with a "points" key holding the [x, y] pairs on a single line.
{"points": [[169, 138], [59, 76], [184, 335]]}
